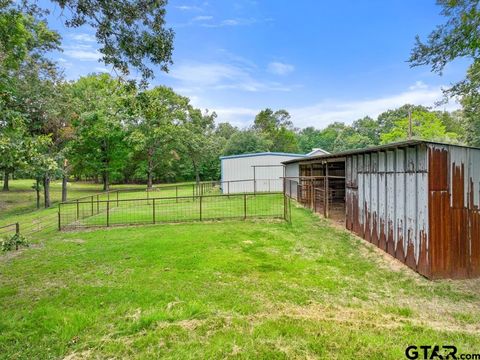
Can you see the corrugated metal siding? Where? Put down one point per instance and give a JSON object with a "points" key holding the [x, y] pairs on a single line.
{"points": [[241, 168], [454, 195], [387, 202], [292, 171]]}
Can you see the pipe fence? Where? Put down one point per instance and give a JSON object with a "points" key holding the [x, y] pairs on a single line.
{"points": [[157, 210]]}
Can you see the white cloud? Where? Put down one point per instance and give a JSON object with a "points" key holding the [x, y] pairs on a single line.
{"points": [[233, 22], [279, 68], [202, 18], [83, 37], [220, 76], [83, 55], [188, 8], [327, 111]]}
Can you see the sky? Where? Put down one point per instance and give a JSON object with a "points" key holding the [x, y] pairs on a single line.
{"points": [[323, 61]]}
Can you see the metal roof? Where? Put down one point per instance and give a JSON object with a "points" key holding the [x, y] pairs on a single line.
{"points": [[263, 154], [376, 148]]}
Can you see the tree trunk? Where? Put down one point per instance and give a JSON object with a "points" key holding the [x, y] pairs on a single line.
{"points": [[149, 180], [37, 190], [106, 185], [64, 187], [5, 181], [46, 190]]}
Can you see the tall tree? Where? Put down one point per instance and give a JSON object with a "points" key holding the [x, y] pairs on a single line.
{"points": [[278, 129], [425, 125], [247, 141], [156, 128], [199, 144], [103, 109], [131, 33], [456, 38]]}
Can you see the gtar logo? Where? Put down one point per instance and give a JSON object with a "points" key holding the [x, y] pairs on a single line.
{"points": [[431, 352]]}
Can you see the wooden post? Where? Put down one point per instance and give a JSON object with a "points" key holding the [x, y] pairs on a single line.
{"points": [[108, 213], [244, 206], [98, 204], [59, 218], [193, 191], [78, 212], [201, 197], [312, 195], [326, 190], [284, 206], [92, 205], [153, 210], [176, 192], [117, 197], [228, 187], [254, 181]]}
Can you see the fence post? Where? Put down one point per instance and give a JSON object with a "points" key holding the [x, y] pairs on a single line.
{"points": [[98, 204], [201, 197], [326, 190], [193, 191], [312, 195], [228, 187], [78, 212], [176, 192], [154, 220], [17, 232], [92, 205], [117, 197], [59, 218], [285, 206], [244, 206], [108, 213]]}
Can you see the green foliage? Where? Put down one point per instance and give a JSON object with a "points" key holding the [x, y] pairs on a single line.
{"points": [[277, 128], [454, 39], [13, 242], [425, 126], [244, 142]]}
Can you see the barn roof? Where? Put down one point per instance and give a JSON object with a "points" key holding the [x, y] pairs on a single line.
{"points": [[375, 148], [263, 154]]}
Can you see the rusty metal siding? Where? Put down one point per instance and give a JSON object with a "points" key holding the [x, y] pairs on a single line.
{"points": [[392, 212], [454, 183]]}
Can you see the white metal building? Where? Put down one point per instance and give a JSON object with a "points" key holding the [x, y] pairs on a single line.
{"points": [[259, 172]]}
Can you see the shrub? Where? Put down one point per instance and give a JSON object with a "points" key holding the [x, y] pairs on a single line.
{"points": [[13, 242]]}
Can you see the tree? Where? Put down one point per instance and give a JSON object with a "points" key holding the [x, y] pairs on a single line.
{"points": [[157, 128], [368, 129], [454, 39], [200, 143], [131, 33], [425, 125], [13, 147], [247, 141], [103, 109], [278, 129], [386, 120]]}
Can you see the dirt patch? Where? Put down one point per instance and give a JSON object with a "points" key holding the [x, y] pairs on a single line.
{"points": [[78, 356]]}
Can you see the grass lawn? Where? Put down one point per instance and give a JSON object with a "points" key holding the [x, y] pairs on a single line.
{"points": [[234, 289]]}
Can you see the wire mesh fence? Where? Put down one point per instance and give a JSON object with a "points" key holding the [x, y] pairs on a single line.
{"points": [[153, 210], [7, 231]]}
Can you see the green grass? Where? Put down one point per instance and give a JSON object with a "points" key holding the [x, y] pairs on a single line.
{"points": [[168, 210], [22, 198], [234, 289]]}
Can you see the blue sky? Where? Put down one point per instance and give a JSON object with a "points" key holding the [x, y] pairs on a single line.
{"points": [[323, 61]]}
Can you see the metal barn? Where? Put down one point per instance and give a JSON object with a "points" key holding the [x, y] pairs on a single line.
{"points": [[259, 172], [417, 200]]}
